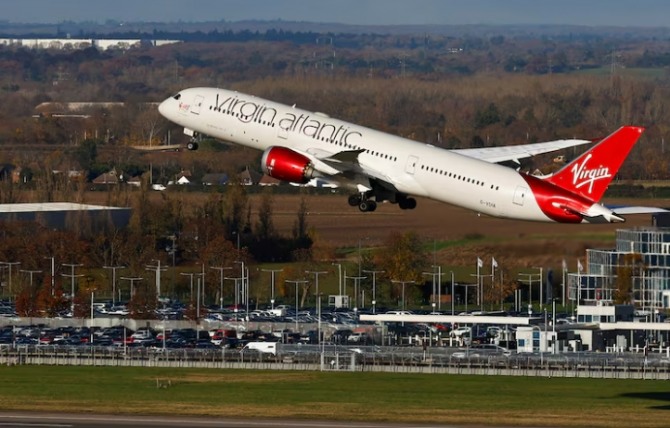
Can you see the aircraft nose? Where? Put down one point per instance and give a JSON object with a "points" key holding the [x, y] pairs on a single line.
{"points": [[164, 108]]}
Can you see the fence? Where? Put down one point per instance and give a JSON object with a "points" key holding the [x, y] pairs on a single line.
{"points": [[341, 358]]}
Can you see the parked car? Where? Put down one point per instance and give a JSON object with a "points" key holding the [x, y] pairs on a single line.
{"points": [[461, 331]]}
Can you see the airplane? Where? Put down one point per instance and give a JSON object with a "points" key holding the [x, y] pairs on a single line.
{"points": [[300, 145]]}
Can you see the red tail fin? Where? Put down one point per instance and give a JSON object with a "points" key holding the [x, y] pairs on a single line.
{"points": [[591, 173]]}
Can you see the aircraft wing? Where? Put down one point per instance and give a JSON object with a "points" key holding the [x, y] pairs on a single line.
{"points": [[514, 153], [329, 163], [343, 167]]}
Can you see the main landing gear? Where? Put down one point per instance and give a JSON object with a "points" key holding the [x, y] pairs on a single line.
{"points": [[406, 203], [363, 202]]}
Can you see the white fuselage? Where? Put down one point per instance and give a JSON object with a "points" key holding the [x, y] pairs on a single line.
{"points": [[413, 168]]}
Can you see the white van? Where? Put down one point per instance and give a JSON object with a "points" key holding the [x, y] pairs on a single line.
{"points": [[262, 347]]}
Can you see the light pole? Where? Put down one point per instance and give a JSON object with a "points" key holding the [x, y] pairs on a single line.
{"points": [[92, 300], [316, 278], [204, 288], [403, 289], [190, 274], [158, 269], [339, 271], [53, 273], [237, 235], [374, 288], [2, 284], [220, 269], [453, 296], [91, 326], [433, 275], [31, 273], [541, 282], [563, 272], [72, 276], [113, 268], [296, 282], [530, 277], [318, 310], [357, 280], [241, 298], [439, 287], [197, 305], [272, 284], [237, 289], [553, 326], [10, 264], [132, 284]]}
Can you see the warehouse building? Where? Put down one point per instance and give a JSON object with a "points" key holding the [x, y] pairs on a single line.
{"points": [[67, 215]]}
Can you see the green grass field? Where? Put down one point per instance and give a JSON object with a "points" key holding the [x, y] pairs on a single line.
{"points": [[477, 400]]}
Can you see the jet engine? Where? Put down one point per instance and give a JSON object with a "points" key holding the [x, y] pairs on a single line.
{"points": [[286, 165]]}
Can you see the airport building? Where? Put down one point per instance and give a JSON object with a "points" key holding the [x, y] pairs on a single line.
{"points": [[67, 215], [74, 43], [636, 272]]}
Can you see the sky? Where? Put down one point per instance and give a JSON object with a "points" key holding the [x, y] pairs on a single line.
{"points": [[640, 13]]}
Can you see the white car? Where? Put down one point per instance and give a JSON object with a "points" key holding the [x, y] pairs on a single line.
{"points": [[357, 337], [399, 313], [119, 311], [461, 331]]}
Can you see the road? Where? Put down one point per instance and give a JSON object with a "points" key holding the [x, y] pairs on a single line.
{"points": [[56, 420]]}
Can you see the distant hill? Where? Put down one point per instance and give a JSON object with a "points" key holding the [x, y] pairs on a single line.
{"points": [[150, 29]]}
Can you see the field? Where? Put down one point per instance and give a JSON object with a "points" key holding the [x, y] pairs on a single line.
{"points": [[476, 400], [340, 224], [457, 235], [460, 235]]}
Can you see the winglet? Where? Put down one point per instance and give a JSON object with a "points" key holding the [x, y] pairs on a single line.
{"points": [[591, 173]]}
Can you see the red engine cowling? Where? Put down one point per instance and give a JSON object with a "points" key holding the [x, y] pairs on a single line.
{"points": [[286, 165]]}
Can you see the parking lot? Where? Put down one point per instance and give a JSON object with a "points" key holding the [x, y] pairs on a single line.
{"points": [[344, 347]]}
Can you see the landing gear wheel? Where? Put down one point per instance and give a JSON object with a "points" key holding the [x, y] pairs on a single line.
{"points": [[367, 206], [407, 204], [354, 200], [192, 145], [412, 203]]}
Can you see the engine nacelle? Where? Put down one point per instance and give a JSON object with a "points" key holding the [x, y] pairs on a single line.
{"points": [[286, 165]]}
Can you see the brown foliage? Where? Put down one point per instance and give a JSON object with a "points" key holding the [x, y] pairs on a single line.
{"points": [[51, 302], [402, 257], [143, 303]]}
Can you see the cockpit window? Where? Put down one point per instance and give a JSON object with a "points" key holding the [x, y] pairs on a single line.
{"points": [[176, 97]]}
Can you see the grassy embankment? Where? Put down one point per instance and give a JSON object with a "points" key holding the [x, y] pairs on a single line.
{"points": [[480, 400]]}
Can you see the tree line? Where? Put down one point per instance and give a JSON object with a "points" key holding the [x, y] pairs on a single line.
{"points": [[452, 92], [384, 91]]}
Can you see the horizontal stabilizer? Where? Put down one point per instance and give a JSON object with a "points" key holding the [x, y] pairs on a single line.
{"points": [[637, 210]]}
